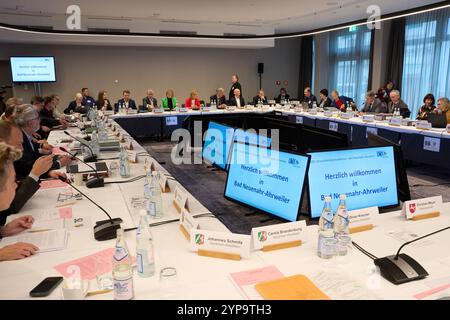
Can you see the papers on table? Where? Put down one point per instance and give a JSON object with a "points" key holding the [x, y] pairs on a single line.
{"points": [[439, 289], [406, 235], [52, 240]]}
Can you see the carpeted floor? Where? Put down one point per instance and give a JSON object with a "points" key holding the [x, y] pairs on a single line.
{"points": [[207, 185]]}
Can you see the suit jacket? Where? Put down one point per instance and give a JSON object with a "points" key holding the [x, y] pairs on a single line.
{"points": [[309, 99], [376, 107], [278, 99], [88, 101], [165, 103], [30, 154], [257, 98], [326, 103], [26, 189], [188, 103], [131, 104], [101, 104], [237, 85], [146, 101], [47, 118], [219, 101], [404, 110], [232, 101], [72, 107]]}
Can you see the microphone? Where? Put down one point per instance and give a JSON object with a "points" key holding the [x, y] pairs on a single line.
{"points": [[104, 229], [401, 268], [95, 182], [93, 157]]}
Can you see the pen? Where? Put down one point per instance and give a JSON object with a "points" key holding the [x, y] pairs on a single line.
{"points": [[94, 293]]}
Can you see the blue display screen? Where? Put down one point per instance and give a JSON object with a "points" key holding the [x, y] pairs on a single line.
{"points": [[269, 180], [33, 69], [217, 144], [367, 176]]}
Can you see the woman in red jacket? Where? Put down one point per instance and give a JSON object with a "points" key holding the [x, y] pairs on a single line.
{"points": [[193, 102]]}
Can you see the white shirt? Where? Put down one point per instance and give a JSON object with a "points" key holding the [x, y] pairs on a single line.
{"points": [[238, 101]]}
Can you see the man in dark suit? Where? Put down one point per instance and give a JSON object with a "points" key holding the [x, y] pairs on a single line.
{"points": [[87, 101], [27, 187], [373, 104], [149, 102], [27, 119], [236, 99], [234, 85], [126, 101], [260, 98], [219, 98], [396, 102], [308, 97], [47, 119]]}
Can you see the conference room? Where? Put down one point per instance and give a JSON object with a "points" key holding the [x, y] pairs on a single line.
{"points": [[244, 154]]}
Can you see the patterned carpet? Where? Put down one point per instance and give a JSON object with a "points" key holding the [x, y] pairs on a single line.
{"points": [[207, 185]]}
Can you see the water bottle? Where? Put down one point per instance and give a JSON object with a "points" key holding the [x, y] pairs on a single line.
{"points": [[122, 270], [154, 202], [341, 217], [95, 146], [148, 185], [124, 163], [326, 231], [145, 263], [314, 106]]}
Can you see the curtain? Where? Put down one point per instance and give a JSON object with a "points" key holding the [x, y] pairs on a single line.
{"points": [[426, 67], [349, 60], [396, 46], [306, 64]]}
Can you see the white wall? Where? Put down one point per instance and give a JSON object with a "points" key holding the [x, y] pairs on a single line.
{"points": [[140, 68]]}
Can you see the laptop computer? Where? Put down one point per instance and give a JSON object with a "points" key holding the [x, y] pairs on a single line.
{"points": [[437, 120]]}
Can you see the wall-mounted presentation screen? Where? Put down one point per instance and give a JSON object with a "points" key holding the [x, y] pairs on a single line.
{"points": [[366, 175], [33, 69], [268, 180]]}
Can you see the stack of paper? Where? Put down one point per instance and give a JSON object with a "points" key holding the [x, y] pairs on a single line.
{"points": [[51, 240]]}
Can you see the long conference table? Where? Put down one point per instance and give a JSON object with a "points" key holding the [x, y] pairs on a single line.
{"points": [[418, 145], [204, 278]]}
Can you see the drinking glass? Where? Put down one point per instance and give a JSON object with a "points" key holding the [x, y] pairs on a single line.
{"points": [[103, 271], [168, 281]]}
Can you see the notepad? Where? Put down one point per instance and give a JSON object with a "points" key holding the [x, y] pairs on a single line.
{"points": [[297, 287], [52, 240]]}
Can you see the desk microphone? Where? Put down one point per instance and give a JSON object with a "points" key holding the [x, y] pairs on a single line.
{"points": [[95, 182], [401, 268], [104, 229], [92, 157]]}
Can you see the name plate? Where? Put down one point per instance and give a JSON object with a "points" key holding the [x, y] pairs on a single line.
{"points": [[368, 118], [231, 108], [286, 107], [279, 236], [328, 113], [432, 144], [108, 112], [180, 200], [158, 110], [312, 111], [249, 107], [206, 109], [187, 224], [347, 115], [362, 219], [163, 183], [132, 111], [132, 156], [114, 128], [333, 126], [183, 109], [171, 121], [395, 121], [424, 125], [422, 208], [379, 117], [224, 245], [298, 109], [299, 119], [448, 128]]}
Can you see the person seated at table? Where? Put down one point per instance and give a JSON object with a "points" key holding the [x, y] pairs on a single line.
{"points": [[27, 187], [384, 93], [76, 105], [338, 101], [283, 96], [8, 185], [260, 98], [87, 101], [56, 113], [325, 101], [308, 97], [428, 107], [10, 104], [219, 98], [47, 119], [373, 104], [27, 119], [169, 102], [396, 102], [103, 102], [150, 102], [237, 100], [126, 101], [443, 107], [193, 102]]}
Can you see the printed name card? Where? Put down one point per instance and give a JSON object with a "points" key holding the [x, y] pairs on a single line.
{"points": [[368, 118], [163, 182], [298, 109], [424, 125], [180, 200], [183, 109], [312, 111], [206, 108], [362, 219], [231, 108], [395, 121], [158, 110], [328, 113], [224, 245], [347, 115], [448, 128], [131, 111], [279, 236], [187, 224], [132, 156], [422, 208], [299, 119], [108, 112], [333, 126], [431, 144]]}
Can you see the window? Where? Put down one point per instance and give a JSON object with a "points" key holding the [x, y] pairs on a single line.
{"points": [[349, 62], [426, 67]]}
